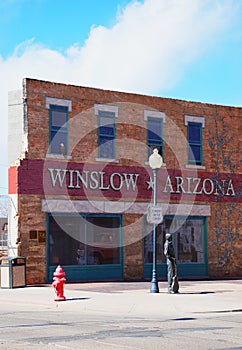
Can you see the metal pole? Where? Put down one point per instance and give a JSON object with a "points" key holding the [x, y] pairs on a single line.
{"points": [[154, 283]]}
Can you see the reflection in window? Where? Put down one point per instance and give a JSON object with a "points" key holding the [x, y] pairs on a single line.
{"points": [[77, 240], [195, 143], [58, 129], [154, 135], [106, 134], [148, 244], [187, 240], [190, 242]]}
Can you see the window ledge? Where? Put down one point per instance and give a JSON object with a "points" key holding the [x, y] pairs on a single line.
{"points": [[194, 166], [107, 160], [57, 156]]}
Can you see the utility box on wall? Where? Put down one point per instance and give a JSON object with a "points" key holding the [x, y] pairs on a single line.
{"points": [[13, 272]]}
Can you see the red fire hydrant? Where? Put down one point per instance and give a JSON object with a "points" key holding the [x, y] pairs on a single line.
{"points": [[58, 283]]}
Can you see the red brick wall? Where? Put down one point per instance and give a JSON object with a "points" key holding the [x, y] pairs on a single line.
{"points": [[32, 218], [221, 154], [131, 108]]}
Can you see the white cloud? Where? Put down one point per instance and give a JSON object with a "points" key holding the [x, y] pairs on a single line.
{"points": [[145, 51]]}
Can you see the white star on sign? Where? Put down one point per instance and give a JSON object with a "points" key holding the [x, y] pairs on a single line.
{"points": [[150, 184]]}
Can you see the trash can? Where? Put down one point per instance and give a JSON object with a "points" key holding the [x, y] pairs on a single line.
{"points": [[13, 272]]}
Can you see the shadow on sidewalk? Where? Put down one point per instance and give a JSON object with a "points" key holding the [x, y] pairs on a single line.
{"points": [[196, 293], [74, 299]]}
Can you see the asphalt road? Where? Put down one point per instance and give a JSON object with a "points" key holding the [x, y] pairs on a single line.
{"points": [[205, 315]]}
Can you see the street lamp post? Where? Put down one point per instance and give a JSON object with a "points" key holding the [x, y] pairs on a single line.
{"points": [[155, 162]]}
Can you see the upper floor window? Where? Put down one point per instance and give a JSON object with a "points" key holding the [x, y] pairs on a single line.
{"points": [[194, 138], [107, 115], [154, 135], [58, 124], [58, 130], [106, 134], [195, 143], [155, 120]]}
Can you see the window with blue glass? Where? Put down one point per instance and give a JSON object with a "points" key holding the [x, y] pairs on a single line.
{"points": [[154, 135], [195, 143], [58, 129], [106, 135]]}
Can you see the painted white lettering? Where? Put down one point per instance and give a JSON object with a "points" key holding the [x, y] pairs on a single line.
{"points": [[204, 189], [79, 177], [131, 180], [112, 181], [219, 187], [71, 179], [102, 173], [197, 181], [93, 180], [168, 184], [179, 184], [230, 188], [189, 185], [100, 180], [59, 176]]}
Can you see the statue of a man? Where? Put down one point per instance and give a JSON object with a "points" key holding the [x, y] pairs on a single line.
{"points": [[173, 285]]}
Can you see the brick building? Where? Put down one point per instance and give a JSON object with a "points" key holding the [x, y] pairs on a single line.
{"points": [[81, 185]]}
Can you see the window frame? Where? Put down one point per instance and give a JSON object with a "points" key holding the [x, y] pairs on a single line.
{"points": [[53, 131], [161, 230], [112, 116], [197, 143], [82, 222], [151, 142]]}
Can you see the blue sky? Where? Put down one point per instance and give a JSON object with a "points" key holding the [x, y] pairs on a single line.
{"points": [[185, 49], [55, 23]]}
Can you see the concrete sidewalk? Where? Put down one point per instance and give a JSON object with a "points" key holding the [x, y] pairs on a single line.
{"points": [[132, 298], [205, 315]]}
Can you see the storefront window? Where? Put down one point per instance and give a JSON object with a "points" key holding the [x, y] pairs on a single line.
{"points": [[84, 240], [188, 240], [148, 244]]}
